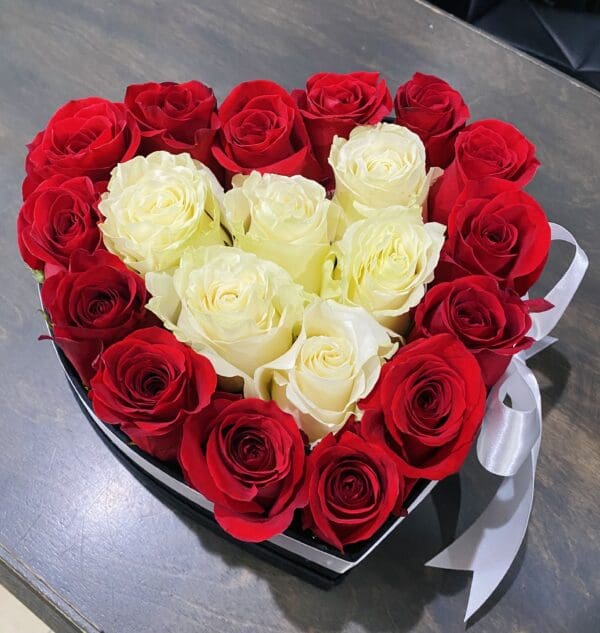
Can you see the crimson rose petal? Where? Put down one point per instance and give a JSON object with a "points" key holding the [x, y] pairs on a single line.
{"points": [[491, 322], [496, 230], [95, 302], [175, 117], [151, 385], [248, 457], [262, 129], [427, 407], [59, 217], [435, 111], [353, 487], [484, 149], [84, 137]]}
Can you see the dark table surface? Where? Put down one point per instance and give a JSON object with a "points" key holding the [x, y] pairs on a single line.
{"points": [[83, 540]]}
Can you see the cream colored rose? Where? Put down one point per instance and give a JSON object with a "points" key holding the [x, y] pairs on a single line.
{"points": [[287, 220], [379, 166], [383, 263], [334, 362], [238, 310], [159, 205]]}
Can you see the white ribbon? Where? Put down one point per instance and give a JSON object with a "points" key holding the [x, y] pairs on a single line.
{"points": [[508, 445]]}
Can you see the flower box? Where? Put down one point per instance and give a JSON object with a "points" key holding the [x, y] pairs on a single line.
{"points": [[295, 313]]}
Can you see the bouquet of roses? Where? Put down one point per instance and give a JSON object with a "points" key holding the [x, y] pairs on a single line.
{"points": [[301, 302]]}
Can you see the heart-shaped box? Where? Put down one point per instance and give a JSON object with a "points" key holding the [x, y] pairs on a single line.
{"points": [[411, 216]]}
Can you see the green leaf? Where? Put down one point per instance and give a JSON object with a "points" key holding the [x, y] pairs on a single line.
{"points": [[46, 316]]}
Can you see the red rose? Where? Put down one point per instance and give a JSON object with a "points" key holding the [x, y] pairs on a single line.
{"points": [[485, 149], [85, 137], [427, 406], [498, 231], [92, 304], [59, 217], [151, 385], [247, 456], [353, 487], [333, 104], [435, 111], [492, 323], [175, 117], [262, 130]]}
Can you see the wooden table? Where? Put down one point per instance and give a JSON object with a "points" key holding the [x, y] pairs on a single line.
{"points": [[87, 544]]}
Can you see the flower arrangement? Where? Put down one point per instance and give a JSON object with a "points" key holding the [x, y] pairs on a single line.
{"points": [[299, 300]]}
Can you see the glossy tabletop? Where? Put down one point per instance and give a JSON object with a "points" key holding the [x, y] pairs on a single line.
{"points": [[87, 543]]}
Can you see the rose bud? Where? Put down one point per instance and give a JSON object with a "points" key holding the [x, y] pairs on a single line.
{"points": [[85, 137], [492, 323], [484, 149], [427, 407], [333, 104], [175, 117], [333, 363], [383, 263], [58, 218], [285, 219], [157, 207], [353, 488], [92, 304], [244, 311], [435, 111], [378, 167], [248, 457], [151, 385], [262, 130], [498, 231]]}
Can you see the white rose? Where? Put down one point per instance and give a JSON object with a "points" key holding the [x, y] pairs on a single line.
{"points": [[158, 206], [334, 362], [379, 166], [383, 264], [238, 310], [287, 220]]}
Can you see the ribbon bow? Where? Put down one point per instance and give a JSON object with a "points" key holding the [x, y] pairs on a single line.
{"points": [[508, 445]]}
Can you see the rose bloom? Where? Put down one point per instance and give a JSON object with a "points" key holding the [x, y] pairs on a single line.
{"points": [[238, 310], [175, 117], [95, 302], [434, 110], [333, 104], [496, 230], [85, 137], [427, 407], [484, 149], [492, 323], [151, 385], [262, 130], [377, 167], [383, 264], [248, 458], [59, 217], [334, 362], [285, 219], [158, 206], [353, 487]]}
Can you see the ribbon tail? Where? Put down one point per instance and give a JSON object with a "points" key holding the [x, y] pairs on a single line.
{"points": [[490, 545]]}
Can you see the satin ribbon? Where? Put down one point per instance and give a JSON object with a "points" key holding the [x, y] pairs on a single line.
{"points": [[508, 445]]}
